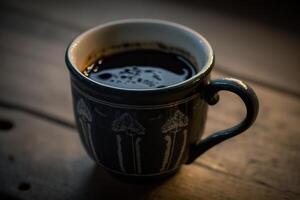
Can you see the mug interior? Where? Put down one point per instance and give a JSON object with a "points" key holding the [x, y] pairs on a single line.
{"points": [[86, 47]]}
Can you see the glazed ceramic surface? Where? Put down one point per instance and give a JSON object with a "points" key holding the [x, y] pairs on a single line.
{"points": [[149, 132]]}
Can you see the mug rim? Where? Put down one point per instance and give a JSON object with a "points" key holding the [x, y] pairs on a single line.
{"points": [[195, 78]]}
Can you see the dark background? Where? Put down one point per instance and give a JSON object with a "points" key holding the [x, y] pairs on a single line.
{"points": [[280, 14]]}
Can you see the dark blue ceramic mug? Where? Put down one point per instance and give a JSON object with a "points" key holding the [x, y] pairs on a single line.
{"points": [[149, 133]]}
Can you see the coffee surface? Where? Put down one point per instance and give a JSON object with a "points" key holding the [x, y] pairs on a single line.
{"points": [[140, 69]]}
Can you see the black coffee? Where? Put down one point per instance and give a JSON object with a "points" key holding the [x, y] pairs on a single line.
{"points": [[141, 69]]}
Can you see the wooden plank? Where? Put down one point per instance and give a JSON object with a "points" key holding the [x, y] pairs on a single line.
{"points": [[246, 48], [268, 153], [39, 43], [266, 157], [40, 160], [33, 71]]}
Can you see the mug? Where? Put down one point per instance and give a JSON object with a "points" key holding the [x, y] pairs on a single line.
{"points": [[141, 134]]}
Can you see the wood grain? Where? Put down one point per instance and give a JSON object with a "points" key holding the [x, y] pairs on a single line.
{"points": [[263, 163], [266, 156], [52, 161], [241, 47], [33, 72], [260, 153]]}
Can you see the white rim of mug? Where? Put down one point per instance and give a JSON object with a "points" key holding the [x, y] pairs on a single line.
{"points": [[208, 65]]}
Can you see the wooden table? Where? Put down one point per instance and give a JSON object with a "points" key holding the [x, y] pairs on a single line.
{"points": [[41, 156]]}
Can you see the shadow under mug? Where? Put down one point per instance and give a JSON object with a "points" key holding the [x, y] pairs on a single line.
{"points": [[141, 134]]}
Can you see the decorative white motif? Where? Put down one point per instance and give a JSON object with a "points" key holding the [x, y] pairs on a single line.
{"points": [[119, 150], [129, 126], [168, 140], [182, 148], [136, 107], [138, 155], [171, 128], [85, 120]]}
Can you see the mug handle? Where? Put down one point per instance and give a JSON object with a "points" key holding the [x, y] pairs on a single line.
{"points": [[250, 100]]}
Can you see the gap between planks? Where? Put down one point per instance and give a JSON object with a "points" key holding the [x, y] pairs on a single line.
{"points": [[70, 125], [71, 26]]}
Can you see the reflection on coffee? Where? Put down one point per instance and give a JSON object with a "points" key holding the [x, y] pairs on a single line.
{"points": [[140, 69]]}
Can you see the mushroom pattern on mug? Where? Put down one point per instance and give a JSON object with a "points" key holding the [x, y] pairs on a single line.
{"points": [[85, 120], [125, 126], [173, 126]]}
